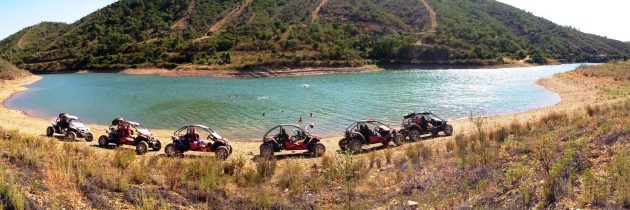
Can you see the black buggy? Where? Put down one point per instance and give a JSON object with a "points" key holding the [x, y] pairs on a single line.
{"points": [[415, 125]]}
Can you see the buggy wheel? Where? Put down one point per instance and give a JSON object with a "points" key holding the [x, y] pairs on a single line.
{"points": [[103, 141], [142, 147], [89, 137], [398, 139], [386, 143], [157, 146], [414, 135], [343, 144], [170, 150], [50, 131], [222, 152], [229, 148], [266, 150], [71, 135], [318, 150], [354, 145], [448, 130]]}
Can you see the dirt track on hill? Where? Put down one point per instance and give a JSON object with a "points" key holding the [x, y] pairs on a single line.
{"points": [[184, 20], [432, 14], [229, 16], [316, 10]]}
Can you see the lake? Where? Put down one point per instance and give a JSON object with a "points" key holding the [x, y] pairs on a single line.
{"points": [[245, 108]]}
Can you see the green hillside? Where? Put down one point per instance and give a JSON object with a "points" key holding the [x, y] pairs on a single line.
{"points": [[246, 34]]}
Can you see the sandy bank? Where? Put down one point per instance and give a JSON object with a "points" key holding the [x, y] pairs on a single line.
{"points": [[572, 88], [227, 73]]}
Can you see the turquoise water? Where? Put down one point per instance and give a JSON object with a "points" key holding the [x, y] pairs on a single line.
{"points": [[235, 107]]}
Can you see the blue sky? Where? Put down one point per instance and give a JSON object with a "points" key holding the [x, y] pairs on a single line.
{"points": [[603, 17], [18, 14]]}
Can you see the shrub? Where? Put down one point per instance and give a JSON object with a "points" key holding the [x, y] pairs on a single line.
{"points": [[388, 155], [292, 177], [264, 199], [375, 160], [419, 152], [330, 169], [450, 146], [235, 165], [250, 177], [460, 142], [266, 168], [140, 173], [619, 173], [592, 110], [123, 157], [209, 179], [10, 192], [172, 172], [594, 191], [501, 135], [516, 128]]}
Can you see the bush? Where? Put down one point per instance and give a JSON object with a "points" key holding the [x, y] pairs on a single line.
{"points": [[619, 173], [501, 135], [292, 177], [266, 168], [417, 153], [140, 173], [10, 192], [450, 146], [388, 155], [264, 199], [235, 166], [123, 158]]}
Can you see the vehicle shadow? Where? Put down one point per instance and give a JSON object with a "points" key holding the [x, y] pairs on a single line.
{"points": [[63, 138], [111, 147], [367, 150], [304, 155]]}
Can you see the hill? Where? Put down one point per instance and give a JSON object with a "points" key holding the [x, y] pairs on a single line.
{"points": [[9, 72], [247, 34]]}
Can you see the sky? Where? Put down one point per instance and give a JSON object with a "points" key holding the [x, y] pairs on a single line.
{"points": [[16, 15], [609, 18]]}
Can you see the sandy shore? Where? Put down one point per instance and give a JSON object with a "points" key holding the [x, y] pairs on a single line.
{"points": [[575, 93], [227, 73]]}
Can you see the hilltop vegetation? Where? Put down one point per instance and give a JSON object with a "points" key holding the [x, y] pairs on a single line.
{"points": [[247, 34], [570, 159], [9, 72]]}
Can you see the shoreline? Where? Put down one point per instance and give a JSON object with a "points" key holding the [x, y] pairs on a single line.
{"points": [[263, 72], [573, 95]]}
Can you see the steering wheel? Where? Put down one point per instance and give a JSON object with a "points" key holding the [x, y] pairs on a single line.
{"points": [[296, 132], [377, 130]]}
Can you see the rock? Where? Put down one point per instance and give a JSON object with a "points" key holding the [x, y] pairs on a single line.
{"points": [[412, 204]]}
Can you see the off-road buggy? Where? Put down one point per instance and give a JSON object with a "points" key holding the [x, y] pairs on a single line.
{"points": [[187, 138], [69, 126], [415, 125], [368, 132], [123, 132], [278, 139]]}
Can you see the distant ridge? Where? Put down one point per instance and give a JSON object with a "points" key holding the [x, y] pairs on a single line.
{"points": [[251, 34]]}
